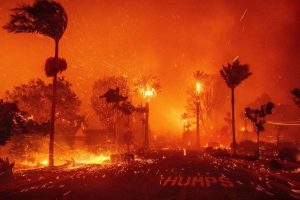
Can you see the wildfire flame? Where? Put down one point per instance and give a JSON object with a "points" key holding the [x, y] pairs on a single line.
{"points": [[148, 93], [73, 158]]}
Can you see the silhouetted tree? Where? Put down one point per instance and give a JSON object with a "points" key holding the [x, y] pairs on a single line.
{"points": [[113, 96], [234, 74], [257, 117], [296, 95], [50, 19], [36, 95], [127, 109], [254, 104], [106, 95], [11, 120]]}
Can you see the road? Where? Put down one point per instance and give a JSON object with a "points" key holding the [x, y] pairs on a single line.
{"points": [[166, 176]]}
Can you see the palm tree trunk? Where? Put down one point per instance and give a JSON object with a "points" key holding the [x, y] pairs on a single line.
{"points": [[258, 144], [146, 142], [51, 143], [233, 121], [197, 125]]}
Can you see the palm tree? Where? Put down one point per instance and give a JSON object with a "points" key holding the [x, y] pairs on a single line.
{"points": [[147, 86], [50, 19], [233, 75]]}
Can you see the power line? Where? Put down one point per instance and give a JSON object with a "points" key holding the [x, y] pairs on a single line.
{"points": [[291, 123]]}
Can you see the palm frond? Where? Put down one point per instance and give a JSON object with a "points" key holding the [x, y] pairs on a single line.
{"points": [[53, 66], [147, 81], [44, 17], [235, 73], [200, 75]]}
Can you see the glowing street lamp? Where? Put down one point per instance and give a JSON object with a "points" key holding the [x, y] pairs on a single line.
{"points": [[198, 88], [198, 91], [147, 86], [147, 93]]}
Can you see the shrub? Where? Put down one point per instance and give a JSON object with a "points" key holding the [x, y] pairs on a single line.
{"points": [[6, 173], [274, 164], [289, 154], [247, 146], [221, 153]]}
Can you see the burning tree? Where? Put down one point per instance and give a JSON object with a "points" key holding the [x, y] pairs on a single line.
{"points": [[112, 87], [36, 95], [147, 87], [206, 99], [234, 74], [50, 19], [257, 117], [296, 94]]}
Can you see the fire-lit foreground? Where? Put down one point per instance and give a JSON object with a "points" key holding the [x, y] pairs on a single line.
{"points": [[76, 157], [157, 175]]}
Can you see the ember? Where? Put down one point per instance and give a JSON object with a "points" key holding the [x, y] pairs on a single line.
{"points": [[149, 99]]}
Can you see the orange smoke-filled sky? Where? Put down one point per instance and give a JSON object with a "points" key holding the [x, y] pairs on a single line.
{"points": [[171, 39]]}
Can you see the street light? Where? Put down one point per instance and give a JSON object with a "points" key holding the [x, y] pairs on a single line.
{"points": [[147, 86], [198, 88], [147, 93], [198, 91]]}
